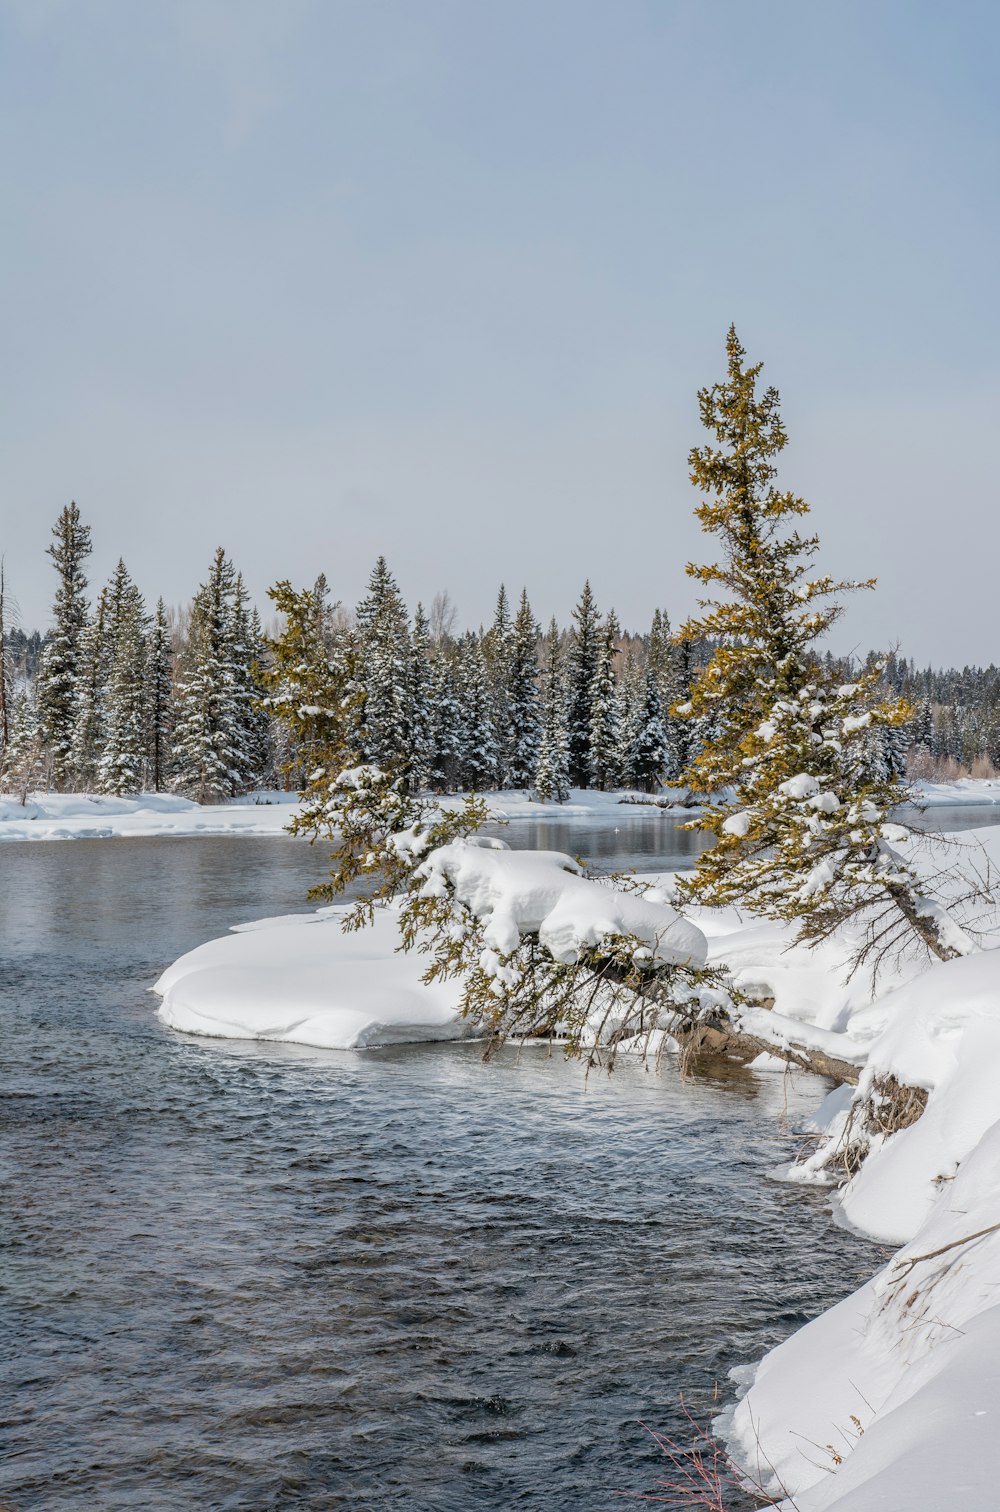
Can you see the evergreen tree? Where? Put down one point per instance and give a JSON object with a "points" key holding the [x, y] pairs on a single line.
{"points": [[647, 747], [419, 694], [91, 692], [6, 669], [158, 699], [581, 675], [476, 738], [498, 652], [552, 774], [24, 766], [444, 726], [58, 686], [525, 723], [122, 760], [208, 754], [805, 835], [253, 732], [605, 715], [311, 689], [384, 645]]}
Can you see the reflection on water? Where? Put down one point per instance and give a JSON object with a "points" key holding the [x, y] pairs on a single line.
{"points": [[638, 838], [246, 1276]]}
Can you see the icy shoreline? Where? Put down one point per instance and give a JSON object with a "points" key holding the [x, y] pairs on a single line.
{"points": [[93, 816]]}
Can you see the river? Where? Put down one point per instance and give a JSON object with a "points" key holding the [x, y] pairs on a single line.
{"points": [[255, 1276]]}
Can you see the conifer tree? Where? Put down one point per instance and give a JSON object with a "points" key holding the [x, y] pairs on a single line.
{"points": [[384, 646], [552, 774], [122, 760], [647, 748], [24, 766], [444, 725], [253, 724], [158, 699], [6, 669], [801, 823], [208, 754], [476, 737], [419, 695], [58, 683], [580, 677], [91, 692], [310, 686], [524, 713], [498, 653], [605, 715]]}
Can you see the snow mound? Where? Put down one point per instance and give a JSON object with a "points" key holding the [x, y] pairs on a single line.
{"points": [[526, 892], [301, 979]]}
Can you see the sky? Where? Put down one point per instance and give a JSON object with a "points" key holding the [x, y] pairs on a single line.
{"points": [[440, 279]]}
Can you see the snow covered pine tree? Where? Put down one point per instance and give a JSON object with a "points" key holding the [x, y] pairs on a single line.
{"points": [[799, 814]]}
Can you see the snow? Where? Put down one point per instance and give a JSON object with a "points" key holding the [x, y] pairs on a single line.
{"points": [[92, 816], [301, 979], [521, 892], [891, 1399]]}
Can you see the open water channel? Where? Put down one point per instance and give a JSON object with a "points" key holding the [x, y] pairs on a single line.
{"points": [[245, 1276]]}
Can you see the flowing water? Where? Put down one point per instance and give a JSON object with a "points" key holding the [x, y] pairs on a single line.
{"points": [[255, 1276]]}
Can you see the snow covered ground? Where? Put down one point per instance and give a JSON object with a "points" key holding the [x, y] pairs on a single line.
{"points": [[93, 816]]}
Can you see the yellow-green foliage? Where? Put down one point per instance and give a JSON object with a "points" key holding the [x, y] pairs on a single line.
{"points": [[798, 795]]}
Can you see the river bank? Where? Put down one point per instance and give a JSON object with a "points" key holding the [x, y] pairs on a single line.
{"points": [[95, 816]]}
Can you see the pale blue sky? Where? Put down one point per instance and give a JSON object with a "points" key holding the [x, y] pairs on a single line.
{"points": [[316, 280]]}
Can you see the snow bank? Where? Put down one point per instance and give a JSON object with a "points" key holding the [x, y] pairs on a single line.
{"points": [[93, 816], [543, 892], [891, 1399], [964, 791], [301, 979]]}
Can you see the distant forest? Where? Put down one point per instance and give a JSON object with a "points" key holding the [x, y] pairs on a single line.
{"points": [[119, 697]]}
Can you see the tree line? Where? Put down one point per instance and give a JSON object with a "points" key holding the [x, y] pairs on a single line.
{"points": [[120, 698]]}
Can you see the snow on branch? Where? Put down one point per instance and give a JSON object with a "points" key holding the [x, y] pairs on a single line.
{"points": [[544, 893]]}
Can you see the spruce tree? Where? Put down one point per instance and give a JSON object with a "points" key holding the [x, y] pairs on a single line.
{"points": [[310, 687], [605, 715], [158, 699], [384, 646], [6, 668], [252, 735], [498, 653], [89, 729], [476, 737], [580, 678], [552, 774], [648, 754], [444, 754], [525, 721], [25, 764], [208, 753], [419, 693], [800, 821], [59, 678], [122, 762]]}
